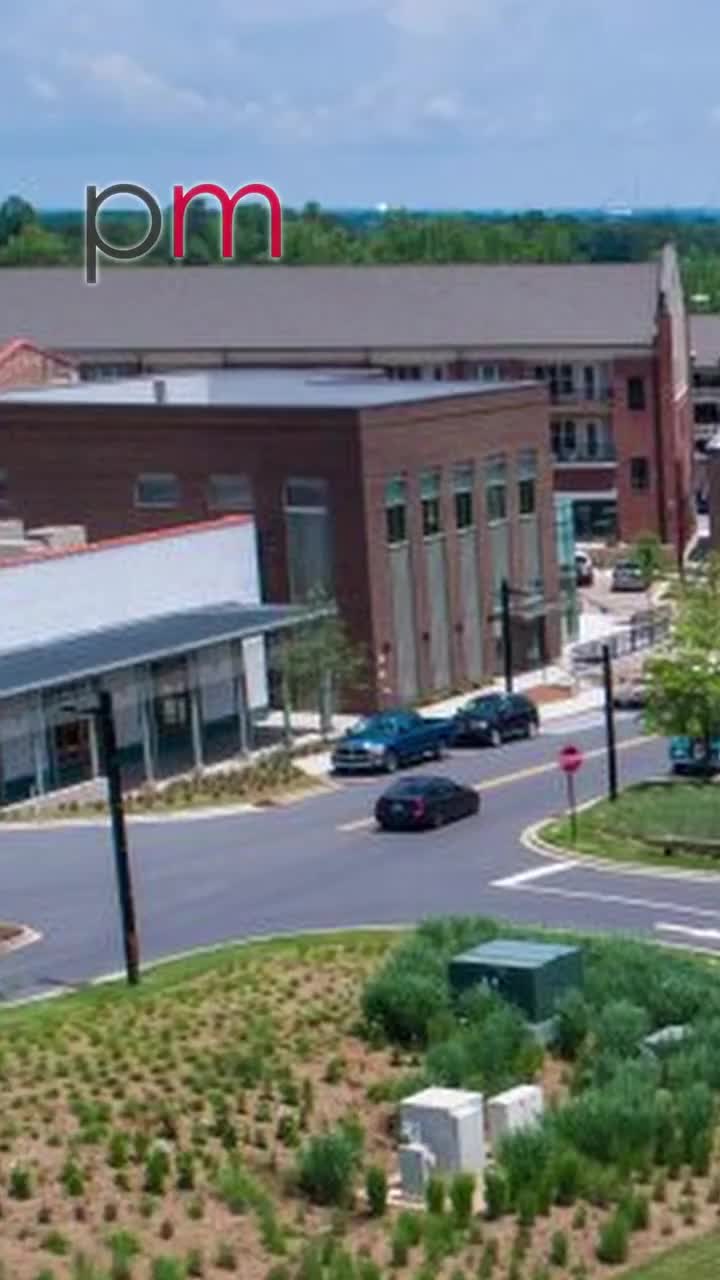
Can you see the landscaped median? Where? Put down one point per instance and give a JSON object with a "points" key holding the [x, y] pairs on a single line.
{"points": [[237, 1114], [271, 780], [661, 823]]}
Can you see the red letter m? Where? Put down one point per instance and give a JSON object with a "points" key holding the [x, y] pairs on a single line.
{"points": [[182, 198]]}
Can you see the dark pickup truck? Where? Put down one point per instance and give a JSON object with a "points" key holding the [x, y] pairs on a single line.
{"points": [[391, 739]]}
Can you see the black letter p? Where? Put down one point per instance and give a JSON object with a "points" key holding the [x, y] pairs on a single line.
{"points": [[95, 242]]}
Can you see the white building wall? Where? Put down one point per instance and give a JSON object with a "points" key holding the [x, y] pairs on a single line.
{"points": [[114, 584]]}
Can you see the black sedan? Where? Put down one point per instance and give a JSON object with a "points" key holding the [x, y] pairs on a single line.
{"points": [[417, 803], [492, 718]]}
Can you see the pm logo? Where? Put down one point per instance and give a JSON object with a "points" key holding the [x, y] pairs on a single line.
{"points": [[96, 244]]}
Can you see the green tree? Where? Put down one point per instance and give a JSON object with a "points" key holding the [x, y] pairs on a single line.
{"points": [[15, 215], [684, 681], [649, 553], [319, 662]]}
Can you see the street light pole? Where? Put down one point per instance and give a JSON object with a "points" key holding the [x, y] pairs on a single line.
{"points": [[506, 634], [610, 724], [131, 946]]}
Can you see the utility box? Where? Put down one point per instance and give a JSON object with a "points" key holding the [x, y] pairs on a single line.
{"points": [[532, 975], [449, 1122], [417, 1164], [519, 1108]]}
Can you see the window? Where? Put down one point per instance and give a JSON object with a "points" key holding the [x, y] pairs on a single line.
{"points": [[3, 485], [430, 503], [396, 511], [639, 474], [307, 524], [230, 493], [527, 474], [463, 482], [595, 520], [589, 381], [490, 373], [592, 439], [157, 489], [636, 393], [496, 490]]}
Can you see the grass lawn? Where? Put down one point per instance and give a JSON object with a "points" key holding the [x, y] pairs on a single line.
{"points": [[618, 831], [699, 1260]]}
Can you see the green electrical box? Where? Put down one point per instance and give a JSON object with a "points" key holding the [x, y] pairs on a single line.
{"points": [[531, 975]]}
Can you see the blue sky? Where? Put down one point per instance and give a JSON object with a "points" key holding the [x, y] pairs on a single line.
{"points": [[419, 102]]}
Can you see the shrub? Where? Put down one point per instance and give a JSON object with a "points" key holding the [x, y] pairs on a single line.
{"points": [[526, 1156], [701, 1154], [435, 1194], [567, 1176], [236, 1188], [195, 1264], [438, 1238], [73, 1178], [376, 1189], [462, 1197], [612, 1245], [327, 1166], [20, 1183], [496, 1195], [118, 1150], [572, 1024], [55, 1242], [185, 1164], [558, 1249], [168, 1269], [225, 1257], [488, 1260], [527, 1207], [404, 1003], [157, 1167], [620, 1028], [696, 1110]]}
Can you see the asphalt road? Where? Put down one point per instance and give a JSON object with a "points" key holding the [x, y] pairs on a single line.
{"points": [[320, 863]]}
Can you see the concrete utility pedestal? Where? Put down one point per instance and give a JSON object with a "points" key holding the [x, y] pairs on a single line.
{"points": [[449, 1122], [519, 1108]]}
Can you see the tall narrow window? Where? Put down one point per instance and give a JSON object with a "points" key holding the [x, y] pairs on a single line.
{"points": [[463, 481], [3, 485], [639, 474], [496, 490], [527, 473], [396, 511], [430, 503], [636, 393], [307, 522]]}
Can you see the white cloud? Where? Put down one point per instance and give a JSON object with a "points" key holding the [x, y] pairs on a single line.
{"points": [[120, 77]]}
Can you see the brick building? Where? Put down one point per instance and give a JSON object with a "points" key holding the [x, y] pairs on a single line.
{"points": [[23, 364], [609, 341], [408, 502]]}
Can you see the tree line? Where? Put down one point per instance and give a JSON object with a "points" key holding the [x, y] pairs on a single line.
{"points": [[316, 236]]}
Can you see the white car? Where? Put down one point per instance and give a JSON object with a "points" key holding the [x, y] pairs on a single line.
{"points": [[584, 569]]}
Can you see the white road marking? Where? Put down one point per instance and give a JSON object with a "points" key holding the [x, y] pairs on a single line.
{"points": [[676, 908], [536, 873], [707, 935], [360, 824]]}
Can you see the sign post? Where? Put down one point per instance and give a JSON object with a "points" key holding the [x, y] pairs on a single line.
{"points": [[571, 759]]}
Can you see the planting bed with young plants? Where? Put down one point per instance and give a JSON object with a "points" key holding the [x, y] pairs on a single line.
{"points": [[263, 783], [236, 1114]]}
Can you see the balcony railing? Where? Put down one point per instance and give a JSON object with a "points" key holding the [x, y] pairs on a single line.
{"points": [[580, 395], [584, 456]]}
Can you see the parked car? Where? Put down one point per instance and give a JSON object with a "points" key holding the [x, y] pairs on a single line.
{"points": [[628, 576], [688, 756], [416, 803], [584, 569], [492, 718], [390, 739], [630, 693]]}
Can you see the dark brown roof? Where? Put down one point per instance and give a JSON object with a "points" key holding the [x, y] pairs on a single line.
{"points": [[332, 308], [705, 340]]}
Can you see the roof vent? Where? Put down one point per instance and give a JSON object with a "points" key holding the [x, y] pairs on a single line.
{"points": [[159, 388]]}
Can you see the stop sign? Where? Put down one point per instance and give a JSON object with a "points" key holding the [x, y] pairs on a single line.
{"points": [[571, 759]]}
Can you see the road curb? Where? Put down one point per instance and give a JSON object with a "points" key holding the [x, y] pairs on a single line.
{"points": [[179, 815], [532, 839]]}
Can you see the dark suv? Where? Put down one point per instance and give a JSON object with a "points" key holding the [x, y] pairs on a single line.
{"points": [[492, 718]]}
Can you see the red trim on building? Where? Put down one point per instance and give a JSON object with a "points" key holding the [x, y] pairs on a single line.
{"points": [[125, 540], [12, 347]]}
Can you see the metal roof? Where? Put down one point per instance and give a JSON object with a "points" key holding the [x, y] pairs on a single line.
{"points": [[514, 954], [91, 653], [334, 308], [705, 340], [261, 389]]}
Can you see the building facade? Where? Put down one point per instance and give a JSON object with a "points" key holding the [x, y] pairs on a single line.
{"points": [[23, 364], [171, 624], [409, 504], [608, 340]]}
